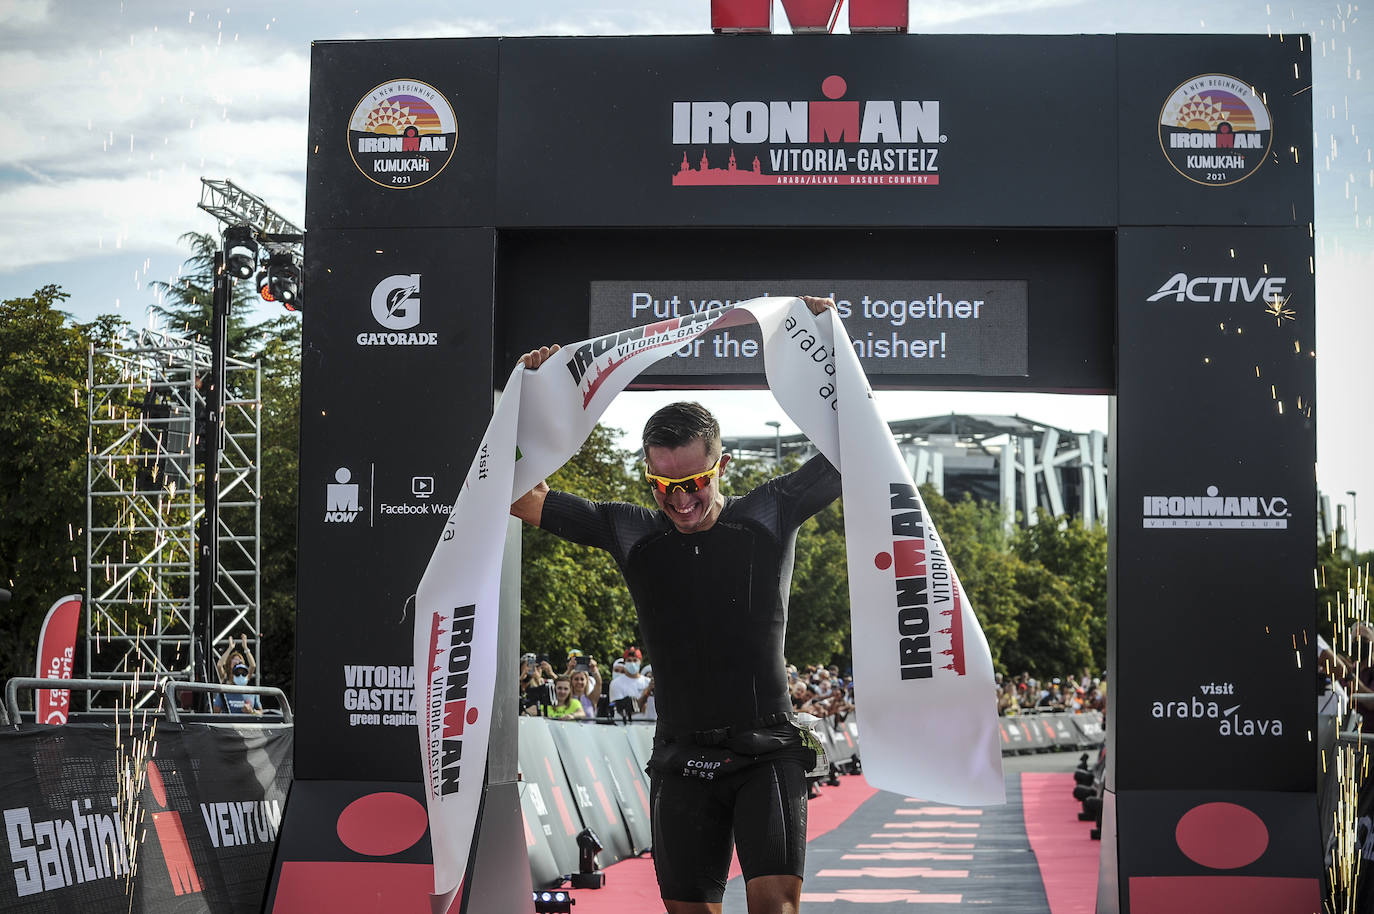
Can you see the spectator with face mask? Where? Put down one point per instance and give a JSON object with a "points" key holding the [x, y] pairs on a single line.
{"points": [[236, 667], [631, 686]]}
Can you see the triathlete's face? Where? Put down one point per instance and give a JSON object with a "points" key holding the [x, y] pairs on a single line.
{"points": [[690, 512]]}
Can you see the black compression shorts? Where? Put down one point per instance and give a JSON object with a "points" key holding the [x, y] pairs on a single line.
{"points": [[761, 807]]}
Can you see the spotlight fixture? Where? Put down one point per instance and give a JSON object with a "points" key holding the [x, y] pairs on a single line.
{"points": [[240, 251], [264, 289], [284, 280], [588, 846], [553, 902]]}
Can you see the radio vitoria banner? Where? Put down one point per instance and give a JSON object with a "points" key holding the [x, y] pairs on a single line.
{"points": [[930, 729]]}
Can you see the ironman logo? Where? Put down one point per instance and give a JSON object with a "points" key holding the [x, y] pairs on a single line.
{"points": [[1215, 130], [402, 134]]}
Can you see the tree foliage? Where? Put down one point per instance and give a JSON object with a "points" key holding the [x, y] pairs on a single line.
{"points": [[44, 430], [42, 467], [1076, 556], [280, 481]]}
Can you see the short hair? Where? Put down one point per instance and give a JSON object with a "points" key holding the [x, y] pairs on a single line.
{"points": [[679, 424]]}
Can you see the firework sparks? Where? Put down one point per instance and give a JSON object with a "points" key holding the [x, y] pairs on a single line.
{"points": [[1278, 309]]}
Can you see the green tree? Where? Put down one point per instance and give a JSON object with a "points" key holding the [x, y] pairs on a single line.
{"points": [[42, 467], [280, 481], [1078, 557], [1052, 637], [818, 619]]}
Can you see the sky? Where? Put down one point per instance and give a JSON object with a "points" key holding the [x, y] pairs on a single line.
{"points": [[116, 109]]}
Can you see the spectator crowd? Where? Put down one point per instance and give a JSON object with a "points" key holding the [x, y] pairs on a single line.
{"points": [[580, 693], [1075, 694]]}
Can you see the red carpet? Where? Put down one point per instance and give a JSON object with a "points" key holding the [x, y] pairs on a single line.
{"points": [[630, 884], [1068, 857]]}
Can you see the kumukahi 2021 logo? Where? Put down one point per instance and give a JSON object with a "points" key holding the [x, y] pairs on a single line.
{"points": [[1215, 130], [402, 133]]}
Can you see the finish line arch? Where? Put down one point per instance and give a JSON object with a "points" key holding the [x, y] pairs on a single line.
{"points": [[1099, 214]]}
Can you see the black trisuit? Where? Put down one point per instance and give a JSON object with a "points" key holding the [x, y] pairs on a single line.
{"points": [[713, 615]]}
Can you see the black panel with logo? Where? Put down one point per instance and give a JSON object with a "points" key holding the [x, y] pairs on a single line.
{"points": [[397, 361], [402, 133], [859, 130], [1215, 130], [1213, 457]]}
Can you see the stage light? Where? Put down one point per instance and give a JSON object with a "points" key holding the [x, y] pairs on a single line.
{"points": [[553, 902], [284, 280], [264, 289], [240, 251], [588, 846]]}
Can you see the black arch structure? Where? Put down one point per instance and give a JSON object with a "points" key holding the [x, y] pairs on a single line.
{"points": [[1113, 250]]}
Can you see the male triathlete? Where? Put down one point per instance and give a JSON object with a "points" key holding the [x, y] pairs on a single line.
{"points": [[710, 577]]}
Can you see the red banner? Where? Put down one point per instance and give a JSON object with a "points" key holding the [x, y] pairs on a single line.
{"points": [[56, 657]]}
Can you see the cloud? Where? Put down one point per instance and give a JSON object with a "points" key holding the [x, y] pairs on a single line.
{"points": [[929, 16], [147, 204], [46, 224], [23, 14], [103, 147]]}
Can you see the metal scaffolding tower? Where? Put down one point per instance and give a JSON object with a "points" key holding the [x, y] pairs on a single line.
{"points": [[145, 463]]}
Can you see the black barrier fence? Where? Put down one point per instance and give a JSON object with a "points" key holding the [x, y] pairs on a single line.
{"points": [[209, 796], [1053, 731], [141, 814]]}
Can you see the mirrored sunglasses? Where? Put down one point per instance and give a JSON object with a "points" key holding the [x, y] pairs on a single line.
{"points": [[688, 484]]}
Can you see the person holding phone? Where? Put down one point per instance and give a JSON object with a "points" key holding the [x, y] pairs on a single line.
{"points": [[585, 677]]}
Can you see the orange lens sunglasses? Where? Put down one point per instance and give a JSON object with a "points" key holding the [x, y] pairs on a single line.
{"points": [[688, 484]]}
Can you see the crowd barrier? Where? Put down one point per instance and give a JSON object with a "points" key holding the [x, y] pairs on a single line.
{"points": [[206, 812], [202, 809], [137, 811], [1058, 730]]}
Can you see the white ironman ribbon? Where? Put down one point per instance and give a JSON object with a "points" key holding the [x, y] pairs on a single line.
{"points": [[932, 734]]}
